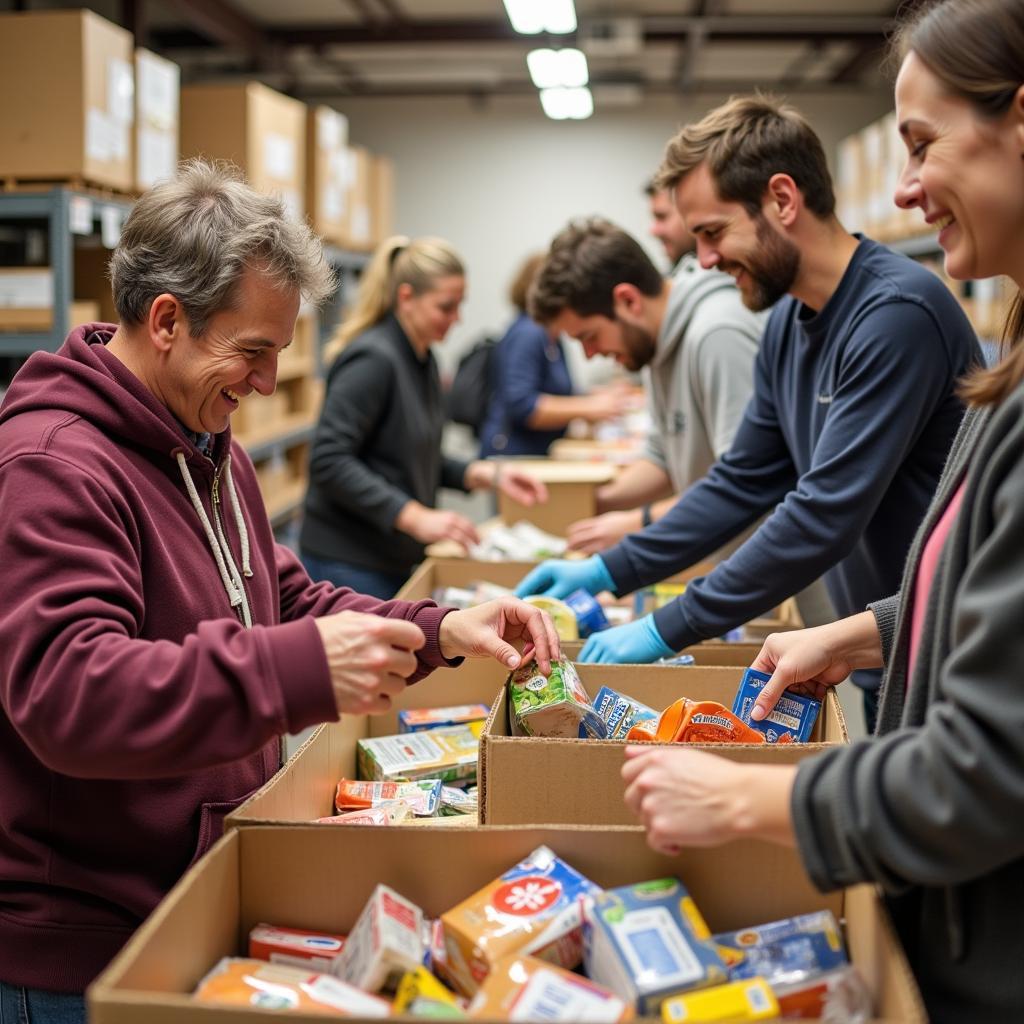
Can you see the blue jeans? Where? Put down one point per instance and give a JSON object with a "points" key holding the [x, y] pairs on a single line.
{"points": [[36, 1006], [343, 574]]}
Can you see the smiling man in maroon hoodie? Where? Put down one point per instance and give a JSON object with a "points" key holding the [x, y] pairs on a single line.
{"points": [[154, 640]]}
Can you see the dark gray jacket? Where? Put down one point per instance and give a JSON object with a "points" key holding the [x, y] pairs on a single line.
{"points": [[932, 808], [378, 444]]}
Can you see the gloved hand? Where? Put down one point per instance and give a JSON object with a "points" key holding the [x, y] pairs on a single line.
{"points": [[559, 577], [635, 643]]}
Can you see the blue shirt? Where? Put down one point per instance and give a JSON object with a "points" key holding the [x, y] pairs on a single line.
{"points": [[527, 364], [853, 413]]}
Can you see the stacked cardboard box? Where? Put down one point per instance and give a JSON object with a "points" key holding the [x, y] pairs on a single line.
{"points": [[157, 104]]}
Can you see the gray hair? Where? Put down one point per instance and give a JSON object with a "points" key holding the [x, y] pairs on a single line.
{"points": [[195, 235]]}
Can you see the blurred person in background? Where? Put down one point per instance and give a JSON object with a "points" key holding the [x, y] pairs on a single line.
{"points": [[376, 463], [668, 226], [931, 807], [532, 400]]}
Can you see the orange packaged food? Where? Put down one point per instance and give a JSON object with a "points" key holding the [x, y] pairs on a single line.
{"points": [[707, 721]]}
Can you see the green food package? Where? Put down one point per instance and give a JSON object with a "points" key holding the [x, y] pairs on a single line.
{"points": [[553, 706]]}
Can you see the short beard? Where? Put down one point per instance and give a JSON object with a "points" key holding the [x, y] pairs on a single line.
{"points": [[640, 346], [773, 269]]}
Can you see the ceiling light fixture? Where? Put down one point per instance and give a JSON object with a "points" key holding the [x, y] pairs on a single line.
{"points": [[561, 103], [529, 17], [551, 69]]}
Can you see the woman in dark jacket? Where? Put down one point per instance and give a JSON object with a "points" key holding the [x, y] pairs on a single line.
{"points": [[932, 806], [532, 400], [376, 463]]}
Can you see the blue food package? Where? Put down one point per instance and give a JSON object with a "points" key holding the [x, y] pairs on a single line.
{"points": [[590, 616], [784, 951], [794, 715], [619, 712], [647, 942]]}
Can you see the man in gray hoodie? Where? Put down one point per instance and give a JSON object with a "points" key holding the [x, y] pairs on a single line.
{"points": [[692, 336]]}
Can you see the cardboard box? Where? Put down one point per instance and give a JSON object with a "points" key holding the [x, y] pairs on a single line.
{"points": [[294, 404], [261, 131], [530, 780], [299, 358], [157, 105], [571, 493], [383, 199], [26, 301], [358, 232], [67, 81], [304, 788], [327, 173], [320, 878]]}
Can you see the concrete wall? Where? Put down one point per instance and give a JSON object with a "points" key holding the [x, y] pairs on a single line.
{"points": [[498, 179]]}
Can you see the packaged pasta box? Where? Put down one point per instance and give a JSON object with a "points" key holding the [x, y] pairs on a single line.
{"points": [[449, 754], [241, 982], [792, 718], [649, 941], [534, 908], [554, 705], [525, 988]]}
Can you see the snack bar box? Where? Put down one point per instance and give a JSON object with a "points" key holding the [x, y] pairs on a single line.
{"points": [[321, 879], [532, 780]]}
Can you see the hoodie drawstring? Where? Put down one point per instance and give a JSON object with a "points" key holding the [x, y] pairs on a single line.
{"points": [[243, 533], [219, 547]]}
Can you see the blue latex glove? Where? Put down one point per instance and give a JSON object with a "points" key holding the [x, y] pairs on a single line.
{"points": [[559, 577], [635, 643]]}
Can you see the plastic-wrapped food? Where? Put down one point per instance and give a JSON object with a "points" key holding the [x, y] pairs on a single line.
{"points": [[561, 614], [388, 812], [534, 907], [554, 705], [240, 982], [420, 994], [590, 616], [423, 795], [522, 988]]}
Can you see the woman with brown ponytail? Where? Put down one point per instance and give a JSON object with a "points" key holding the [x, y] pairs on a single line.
{"points": [[376, 462], [932, 806]]}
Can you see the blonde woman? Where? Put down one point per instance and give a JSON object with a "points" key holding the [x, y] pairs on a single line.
{"points": [[376, 463]]}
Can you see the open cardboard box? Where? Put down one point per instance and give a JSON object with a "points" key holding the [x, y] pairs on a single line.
{"points": [[537, 781], [321, 878]]}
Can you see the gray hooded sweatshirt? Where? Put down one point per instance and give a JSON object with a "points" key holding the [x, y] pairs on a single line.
{"points": [[701, 377]]}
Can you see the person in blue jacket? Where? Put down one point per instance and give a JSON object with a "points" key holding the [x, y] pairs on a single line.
{"points": [[852, 416], [532, 401]]}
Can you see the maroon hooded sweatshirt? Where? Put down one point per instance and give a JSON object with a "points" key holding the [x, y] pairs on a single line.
{"points": [[136, 708]]}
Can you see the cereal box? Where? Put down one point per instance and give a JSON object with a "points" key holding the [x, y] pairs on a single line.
{"points": [[449, 754]]}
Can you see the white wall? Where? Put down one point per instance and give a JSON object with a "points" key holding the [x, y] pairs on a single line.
{"points": [[499, 179]]}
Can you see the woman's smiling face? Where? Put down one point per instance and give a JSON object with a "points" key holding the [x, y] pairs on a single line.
{"points": [[964, 171]]}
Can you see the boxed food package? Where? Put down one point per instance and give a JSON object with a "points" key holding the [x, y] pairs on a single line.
{"points": [[732, 1003], [386, 941], [647, 942], [418, 719], [621, 713], [448, 754], [69, 84], [420, 994], [294, 946], [322, 879], [527, 989], [262, 131], [535, 907], [256, 983], [792, 718], [552, 705]]}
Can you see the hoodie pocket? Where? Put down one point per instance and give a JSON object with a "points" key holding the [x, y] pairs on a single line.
{"points": [[211, 823]]}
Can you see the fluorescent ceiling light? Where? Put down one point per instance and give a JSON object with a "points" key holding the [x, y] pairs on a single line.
{"points": [[529, 17], [562, 103], [550, 69]]}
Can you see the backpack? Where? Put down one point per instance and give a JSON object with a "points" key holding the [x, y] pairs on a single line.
{"points": [[472, 387]]}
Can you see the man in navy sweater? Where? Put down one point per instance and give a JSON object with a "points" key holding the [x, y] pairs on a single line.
{"points": [[853, 411]]}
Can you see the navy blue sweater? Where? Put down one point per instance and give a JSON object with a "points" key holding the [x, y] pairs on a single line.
{"points": [[844, 439]]}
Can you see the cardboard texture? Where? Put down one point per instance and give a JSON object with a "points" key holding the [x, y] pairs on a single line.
{"points": [[327, 173], [256, 128], [571, 488], [67, 78], [358, 232], [531, 780], [157, 105], [383, 198], [320, 879]]}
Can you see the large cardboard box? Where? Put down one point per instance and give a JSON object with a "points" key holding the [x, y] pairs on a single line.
{"points": [[157, 104], [304, 788], [260, 130], [359, 225], [383, 199], [531, 780], [67, 81], [571, 493], [327, 173], [321, 878]]}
